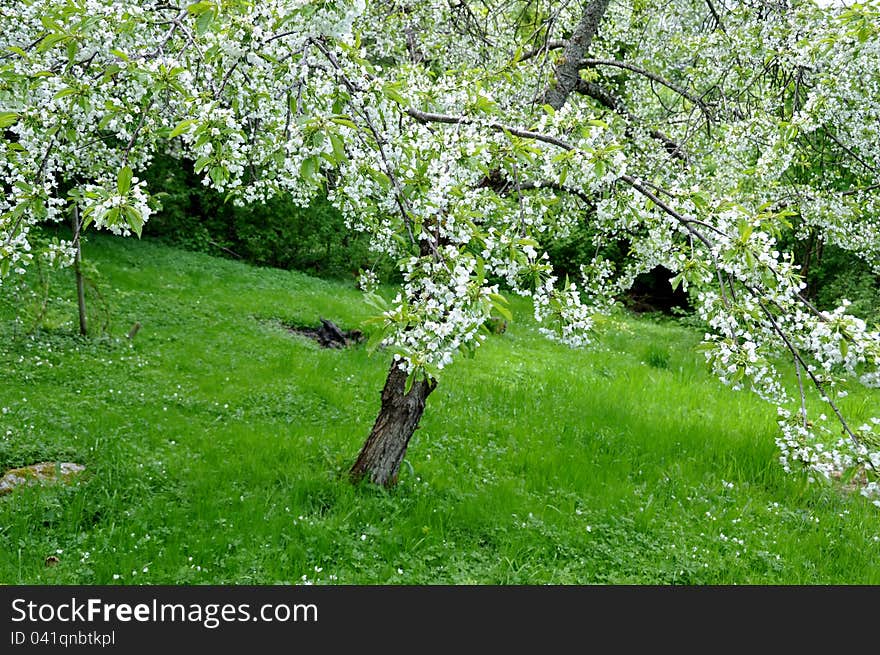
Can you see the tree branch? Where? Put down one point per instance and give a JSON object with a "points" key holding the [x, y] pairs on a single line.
{"points": [[568, 70], [813, 377], [615, 104], [398, 192], [718, 22], [429, 117], [549, 45], [592, 63]]}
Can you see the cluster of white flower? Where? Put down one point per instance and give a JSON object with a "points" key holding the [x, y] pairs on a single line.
{"points": [[120, 213], [563, 316], [813, 446], [440, 311], [368, 281]]}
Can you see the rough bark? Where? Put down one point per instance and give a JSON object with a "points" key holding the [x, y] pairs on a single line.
{"points": [[381, 456], [568, 70]]}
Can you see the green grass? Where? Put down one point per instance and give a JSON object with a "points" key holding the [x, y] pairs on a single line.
{"points": [[216, 447]]}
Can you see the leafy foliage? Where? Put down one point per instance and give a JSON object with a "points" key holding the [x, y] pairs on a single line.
{"points": [[276, 233]]}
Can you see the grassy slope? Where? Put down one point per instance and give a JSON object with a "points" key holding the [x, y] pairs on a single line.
{"points": [[217, 443]]}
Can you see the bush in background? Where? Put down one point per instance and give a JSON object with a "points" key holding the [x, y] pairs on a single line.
{"points": [[840, 274], [278, 233]]}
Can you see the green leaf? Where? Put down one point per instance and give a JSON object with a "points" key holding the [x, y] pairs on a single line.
{"points": [[50, 41], [134, 219], [317, 138], [374, 341], [380, 177], [109, 73], [338, 147], [218, 175], [123, 180], [410, 380], [111, 218], [198, 8], [203, 23], [309, 167], [390, 92], [49, 23], [63, 93], [505, 313], [676, 281], [180, 128], [8, 118], [343, 120]]}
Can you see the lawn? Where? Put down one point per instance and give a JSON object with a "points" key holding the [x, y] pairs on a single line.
{"points": [[216, 445]]}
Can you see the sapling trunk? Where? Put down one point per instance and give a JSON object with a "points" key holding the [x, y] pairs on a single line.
{"points": [[77, 269]]}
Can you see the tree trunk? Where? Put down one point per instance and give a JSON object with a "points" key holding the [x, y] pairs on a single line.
{"points": [[398, 418], [568, 71], [77, 269]]}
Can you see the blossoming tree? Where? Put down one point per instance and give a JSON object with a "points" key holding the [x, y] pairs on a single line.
{"points": [[461, 135]]}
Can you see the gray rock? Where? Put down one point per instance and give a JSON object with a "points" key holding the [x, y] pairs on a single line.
{"points": [[42, 473]]}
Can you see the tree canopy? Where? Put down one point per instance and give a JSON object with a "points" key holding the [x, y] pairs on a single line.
{"points": [[462, 135]]}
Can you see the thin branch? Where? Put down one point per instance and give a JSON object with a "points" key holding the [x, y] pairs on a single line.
{"points": [[398, 192], [852, 192], [685, 222], [813, 377], [137, 130], [550, 45], [503, 188], [699, 102], [718, 22], [797, 370], [854, 155], [26, 48], [616, 104], [226, 77], [430, 117]]}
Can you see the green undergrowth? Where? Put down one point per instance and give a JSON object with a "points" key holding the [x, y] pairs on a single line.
{"points": [[217, 443]]}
